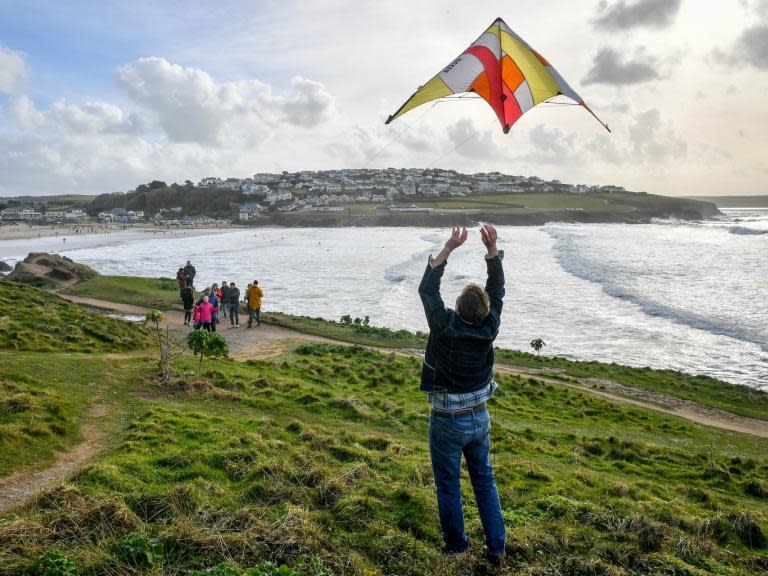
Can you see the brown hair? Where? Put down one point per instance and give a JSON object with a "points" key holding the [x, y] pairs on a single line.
{"points": [[473, 304]]}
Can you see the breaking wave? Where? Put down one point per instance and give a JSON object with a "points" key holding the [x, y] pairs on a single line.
{"points": [[744, 231], [617, 278]]}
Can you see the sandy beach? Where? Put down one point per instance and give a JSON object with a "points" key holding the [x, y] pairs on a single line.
{"points": [[22, 231]]}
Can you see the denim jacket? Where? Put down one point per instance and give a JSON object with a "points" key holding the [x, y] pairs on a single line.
{"points": [[459, 355]]}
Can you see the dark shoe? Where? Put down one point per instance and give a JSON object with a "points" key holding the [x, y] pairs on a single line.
{"points": [[446, 550], [496, 560]]}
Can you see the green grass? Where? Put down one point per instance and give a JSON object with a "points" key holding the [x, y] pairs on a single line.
{"points": [[46, 398], [701, 389], [147, 292], [36, 320], [353, 334], [323, 452]]}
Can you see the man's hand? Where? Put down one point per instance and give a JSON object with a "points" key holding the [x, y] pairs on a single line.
{"points": [[488, 235], [458, 237]]}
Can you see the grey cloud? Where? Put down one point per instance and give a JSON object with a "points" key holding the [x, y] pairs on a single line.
{"points": [[469, 142], [752, 46], [610, 68], [751, 49], [654, 140], [624, 15], [551, 145]]}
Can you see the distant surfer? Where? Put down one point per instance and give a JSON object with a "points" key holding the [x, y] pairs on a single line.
{"points": [[457, 375]]}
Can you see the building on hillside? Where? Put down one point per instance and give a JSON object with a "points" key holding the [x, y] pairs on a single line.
{"points": [[231, 184], [208, 182], [278, 196], [254, 189], [250, 211], [408, 188]]}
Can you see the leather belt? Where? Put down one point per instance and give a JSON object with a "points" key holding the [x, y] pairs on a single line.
{"points": [[458, 413]]}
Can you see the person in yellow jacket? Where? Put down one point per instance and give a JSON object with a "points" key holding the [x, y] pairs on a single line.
{"points": [[254, 296]]}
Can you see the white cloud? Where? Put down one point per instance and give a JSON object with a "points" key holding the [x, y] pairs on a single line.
{"points": [[310, 104], [13, 68], [190, 106]]}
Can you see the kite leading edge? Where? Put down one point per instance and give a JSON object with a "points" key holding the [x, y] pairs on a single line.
{"points": [[505, 71]]}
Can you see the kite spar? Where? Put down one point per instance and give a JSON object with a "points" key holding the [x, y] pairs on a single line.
{"points": [[505, 71]]}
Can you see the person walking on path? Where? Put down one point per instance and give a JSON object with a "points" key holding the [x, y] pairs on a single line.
{"points": [[188, 298], [254, 296], [457, 375], [213, 298], [205, 308], [189, 273], [181, 280], [234, 306], [224, 298]]}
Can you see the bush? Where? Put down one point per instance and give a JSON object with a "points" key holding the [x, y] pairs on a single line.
{"points": [[53, 563], [140, 550]]}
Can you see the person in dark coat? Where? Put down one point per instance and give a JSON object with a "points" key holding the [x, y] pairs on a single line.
{"points": [[234, 305], [224, 298], [188, 298], [190, 272]]}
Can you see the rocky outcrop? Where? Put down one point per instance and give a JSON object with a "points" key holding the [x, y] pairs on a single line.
{"points": [[50, 271], [4, 267]]}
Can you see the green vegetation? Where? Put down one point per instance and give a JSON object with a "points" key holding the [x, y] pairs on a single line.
{"points": [[702, 389], [45, 398], [354, 333], [207, 344], [148, 292], [36, 320], [322, 453]]}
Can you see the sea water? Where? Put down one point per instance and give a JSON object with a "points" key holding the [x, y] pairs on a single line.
{"points": [[691, 296]]}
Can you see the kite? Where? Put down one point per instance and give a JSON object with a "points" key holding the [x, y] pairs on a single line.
{"points": [[505, 71]]}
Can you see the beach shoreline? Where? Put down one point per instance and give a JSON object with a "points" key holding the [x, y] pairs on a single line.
{"points": [[23, 231]]}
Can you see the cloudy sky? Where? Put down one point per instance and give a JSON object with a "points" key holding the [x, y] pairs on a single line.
{"points": [[99, 97]]}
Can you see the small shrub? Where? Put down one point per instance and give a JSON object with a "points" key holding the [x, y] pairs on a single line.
{"points": [[53, 563], [140, 550]]}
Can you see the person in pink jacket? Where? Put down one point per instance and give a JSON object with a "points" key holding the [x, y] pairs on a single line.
{"points": [[205, 309]]}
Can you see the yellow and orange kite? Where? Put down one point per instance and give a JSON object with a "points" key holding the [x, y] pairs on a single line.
{"points": [[505, 71]]}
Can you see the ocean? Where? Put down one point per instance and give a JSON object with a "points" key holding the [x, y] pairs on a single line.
{"points": [[691, 296]]}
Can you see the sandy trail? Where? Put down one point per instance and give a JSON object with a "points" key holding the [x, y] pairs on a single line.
{"points": [[20, 486]]}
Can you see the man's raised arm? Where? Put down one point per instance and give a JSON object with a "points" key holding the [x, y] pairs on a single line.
{"points": [[429, 289], [494, 285]]}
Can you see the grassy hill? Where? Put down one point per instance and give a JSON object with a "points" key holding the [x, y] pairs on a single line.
{"points": [[323, 453], [317, 460], [32, 319]]}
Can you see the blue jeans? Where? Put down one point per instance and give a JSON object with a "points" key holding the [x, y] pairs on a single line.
{"points": [[449, 438], [234, 314]]}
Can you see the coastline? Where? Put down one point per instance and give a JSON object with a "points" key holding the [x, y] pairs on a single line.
{"points": [[27, 232]]}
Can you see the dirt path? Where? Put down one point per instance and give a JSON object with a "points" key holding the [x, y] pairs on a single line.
{"points": [[20, 486], [260, 342]]}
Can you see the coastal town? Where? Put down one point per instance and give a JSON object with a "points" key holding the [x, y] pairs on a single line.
{"points": [[331, 191]]}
